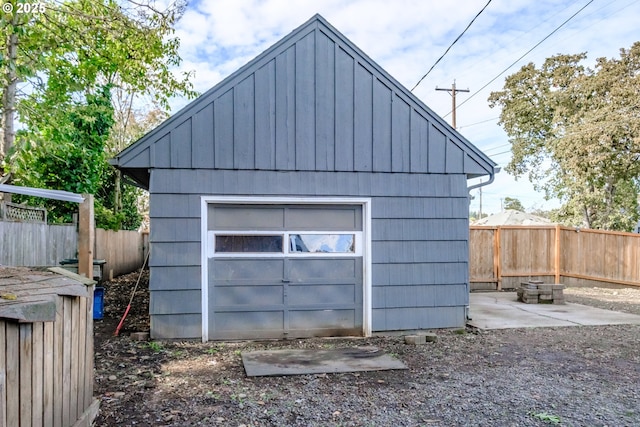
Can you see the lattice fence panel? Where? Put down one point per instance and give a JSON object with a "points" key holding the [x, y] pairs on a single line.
{"points": [[21, 213]]}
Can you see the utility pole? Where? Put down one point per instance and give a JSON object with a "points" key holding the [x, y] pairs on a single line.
{"points": [[453, 92]]}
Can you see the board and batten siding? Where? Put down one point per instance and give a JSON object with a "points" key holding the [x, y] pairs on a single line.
{"points": [[314, 103], [419, 241]]}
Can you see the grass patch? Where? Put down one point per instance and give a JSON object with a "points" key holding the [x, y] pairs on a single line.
{"points": [[546, 417], [155, 346]]}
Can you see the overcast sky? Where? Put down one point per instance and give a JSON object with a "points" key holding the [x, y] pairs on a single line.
{"points": [[406, 37]]}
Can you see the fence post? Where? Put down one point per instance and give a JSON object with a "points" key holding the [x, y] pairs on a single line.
{"points": [[557, 254], [497, 268], [86, 237]]}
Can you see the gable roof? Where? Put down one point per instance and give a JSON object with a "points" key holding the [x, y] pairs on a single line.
{"points": [[313, 101]]}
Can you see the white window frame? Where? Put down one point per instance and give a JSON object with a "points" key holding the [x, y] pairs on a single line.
{"points": [[365, 245]]}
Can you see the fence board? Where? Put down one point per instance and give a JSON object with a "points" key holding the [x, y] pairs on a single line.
{"points": [[66, 362], [48, 381], [26, 360], [12, 373], [551, 253], [58, 344], [3, 367], [75, 357], [82, 353], [37, 373]]}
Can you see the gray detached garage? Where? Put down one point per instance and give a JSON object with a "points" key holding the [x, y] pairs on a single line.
{"points": [[308, 194]]}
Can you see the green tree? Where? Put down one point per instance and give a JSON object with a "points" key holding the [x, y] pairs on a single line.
{"points": [[576, 132], [513, 203], [66, 54], [69, 155], [68, 48]]}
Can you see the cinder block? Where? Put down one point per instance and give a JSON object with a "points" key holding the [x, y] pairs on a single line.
{"points": [[415, 339], [546, 287], [430, 337]]}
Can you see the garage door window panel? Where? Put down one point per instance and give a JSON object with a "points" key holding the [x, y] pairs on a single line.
{"points": [[322, 243], [248, 244]]}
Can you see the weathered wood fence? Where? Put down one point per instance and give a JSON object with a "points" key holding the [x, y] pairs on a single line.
{"points": [[31, 244], [503, 256]]}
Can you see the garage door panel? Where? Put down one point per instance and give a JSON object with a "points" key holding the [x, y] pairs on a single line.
{"points": [[323, 218], [239, 295], [322, 319], [322, 294], [245, 218], [304, 269], [243, 269], [249, 320]]}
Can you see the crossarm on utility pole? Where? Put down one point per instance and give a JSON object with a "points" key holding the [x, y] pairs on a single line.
{"points": [[453, 92]]}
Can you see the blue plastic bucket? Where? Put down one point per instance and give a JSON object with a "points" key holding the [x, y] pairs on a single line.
{"points": [[98, 303]]}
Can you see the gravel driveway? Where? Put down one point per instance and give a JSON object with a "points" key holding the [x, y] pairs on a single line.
{"points": [[569, 376]]}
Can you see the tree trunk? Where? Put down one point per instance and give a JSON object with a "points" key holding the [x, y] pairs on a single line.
{"points": [[9, 104], [587, 217], [9, 95], [117, 193]]}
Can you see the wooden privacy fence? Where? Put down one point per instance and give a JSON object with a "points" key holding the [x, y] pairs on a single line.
{"points": [[32, 244], [123, 250], [503, 256]]}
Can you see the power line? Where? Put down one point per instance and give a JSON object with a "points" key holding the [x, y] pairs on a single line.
{"points": [[525, 54], [449, 48], [517, 40], [499, 146], [478, 123], [502, 152]]}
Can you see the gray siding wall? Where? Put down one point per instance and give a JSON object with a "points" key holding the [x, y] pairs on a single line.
{"points": [[419, 241], [315, 103]]}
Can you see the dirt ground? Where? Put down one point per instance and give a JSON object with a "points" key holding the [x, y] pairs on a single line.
{"points": [[571, 376]]}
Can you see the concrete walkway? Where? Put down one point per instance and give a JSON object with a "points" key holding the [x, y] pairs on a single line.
{"points": [[501, 310]]}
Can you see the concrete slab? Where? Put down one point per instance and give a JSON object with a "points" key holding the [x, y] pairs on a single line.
{"points": [[501, 310], [317, 361]]}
